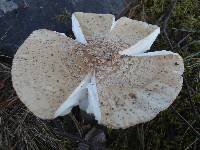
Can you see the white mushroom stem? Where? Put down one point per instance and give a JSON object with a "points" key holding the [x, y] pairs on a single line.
{"points": [[85, 95], [93, 107], [73, 100]]}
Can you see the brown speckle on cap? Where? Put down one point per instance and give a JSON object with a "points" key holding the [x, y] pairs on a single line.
{"points": [[132, 95]]}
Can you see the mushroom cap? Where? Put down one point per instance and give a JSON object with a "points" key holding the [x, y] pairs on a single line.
{"points": [[130, 31], [90, 26], [132, 89], [138, 89], [139, 35], [109, 75], [41, 76]]}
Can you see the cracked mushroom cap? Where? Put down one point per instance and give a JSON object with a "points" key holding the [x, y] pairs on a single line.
{"points": [[41, 79], [106, 71]]}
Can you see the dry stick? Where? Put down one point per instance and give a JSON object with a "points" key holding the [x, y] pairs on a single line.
{"points": [[77, 125], [73, 137], [166, 19], [126, 2], [5, 66], [182, 40], [188, 44], [90, 133], [143, 10], [191, 144], [5, 56], [132, 10], [197, 113], [184, 134], [126, 9], [187, 30], [186, 122]]}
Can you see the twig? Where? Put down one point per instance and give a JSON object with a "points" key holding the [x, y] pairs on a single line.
{"points": [[126, 2], [5, 34], [182, 40], [132, 10], [90, 133], [70, 136], [77, 125], [188, 44], [165, 22], [5, 66], [190, 98], [192, 55], [191, 144], [126, 9], [168, 14], [187, 30], [25, 4], [186, 122], [186, 131], [143, 11], [5, 56]]}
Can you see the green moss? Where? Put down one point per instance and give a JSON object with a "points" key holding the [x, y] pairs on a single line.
{"points": [[64, 17]]}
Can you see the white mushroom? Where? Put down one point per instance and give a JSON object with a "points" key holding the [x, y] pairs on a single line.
{"points": [[108, 75]]}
